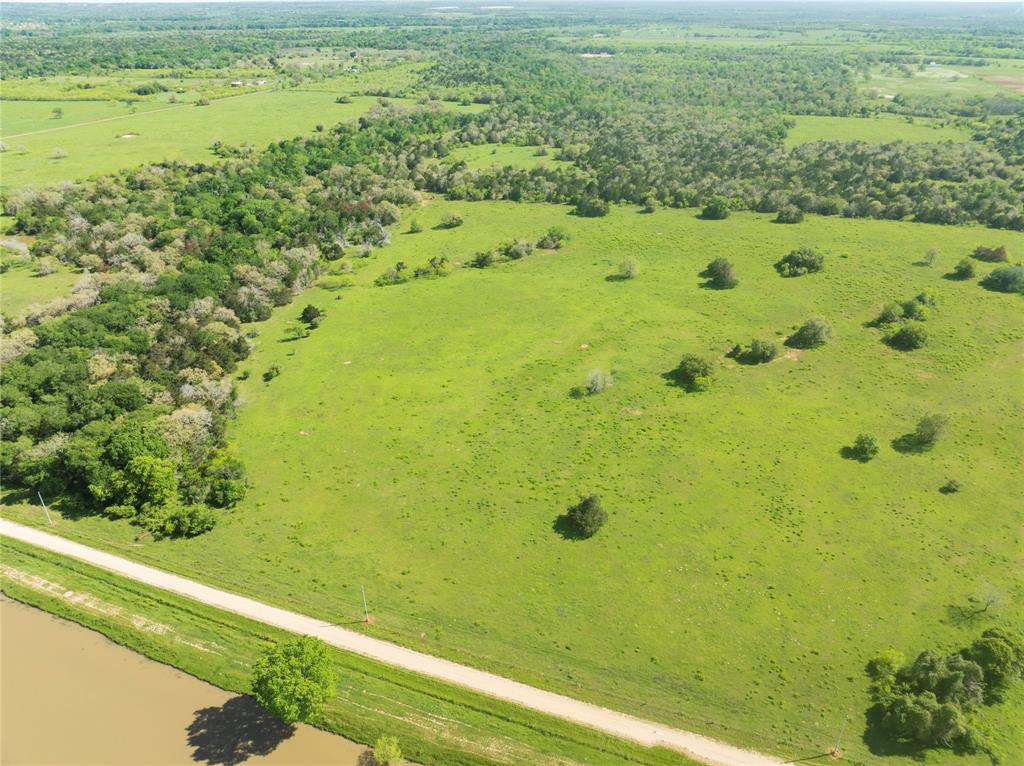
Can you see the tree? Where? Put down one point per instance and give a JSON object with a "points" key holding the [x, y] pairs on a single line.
{"points": [[58, 153], [555, 237], [909, 337], [386, 751], [693, 373], [629, 269], [516, 250], [716, 209], [587, 516], [811, 334], [1000, 653], [482, 259], [801, 261], [591, 207], [598, 381], [451, 221], [929, 429], [294, 679], [789, 214], [891, 313], [310, 314], [1006, 279], [760, 352], [57, 112], [415, 227], [721, 274], [865, 448]]}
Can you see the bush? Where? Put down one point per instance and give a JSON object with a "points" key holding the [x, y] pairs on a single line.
{"points": [[951, 487], [415, 227], [789, 214], [591, 207], [799, 262], [554, 239], [811, 334], [451, 221], [721, 274], [482, 260], [891, 313], [587, 516], [693, 373], [963, 270], [760, 352], [598, 381], [272, 372], [629, 269], [909, 337], [310, 314], [914, 310], [929, 429], [990, 254], [716, 209], [386, 751], [865, 448], [516, 250], [1006, 279]]}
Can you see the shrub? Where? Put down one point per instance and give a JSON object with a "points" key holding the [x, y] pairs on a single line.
{"points": [[811, 334], [909, 337], [451, 221], [553, 239], [393, 276], [343, 100], [693, 373], [272, 372], [203, 102], [929, 429], [591, 207], [415, 227], [799, 262], [1006, 279], [587, 516], [386, 751], [914, 310], [483, 259], [864, 448], [58, 153], [716, 209], [650, 203], [629, 269], [598, 381], [891, 313], [951, 487], [760, 352], [990, 254], [310, 313], [293, 680], [789, 214], [963, 270], [721, 274], [516, 250]]}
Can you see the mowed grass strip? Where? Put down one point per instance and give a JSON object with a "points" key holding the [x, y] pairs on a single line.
{"points": [[436, 723], [424, 440]]}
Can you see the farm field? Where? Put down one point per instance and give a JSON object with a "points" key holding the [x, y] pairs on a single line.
{"points": [[424, 440], [173, 132], [880, 130]]}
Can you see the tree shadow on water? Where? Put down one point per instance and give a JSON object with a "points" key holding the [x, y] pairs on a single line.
{"points": [[234, 732]]}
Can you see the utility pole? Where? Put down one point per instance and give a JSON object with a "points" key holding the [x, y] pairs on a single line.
{"points": [[45, 509], [366, 611]]}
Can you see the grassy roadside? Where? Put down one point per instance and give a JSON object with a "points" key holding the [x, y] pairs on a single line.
{"points": [[435, 722]]}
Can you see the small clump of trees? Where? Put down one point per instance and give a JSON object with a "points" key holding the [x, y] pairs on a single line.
{"points": [[811, 334], [991, 254], [964, 269], [483, 259], [903, 322], [693, 373], [516, 250], [598, 381], [294, 680], [721, 274], [1006, 279], [591, 207], [928, 702], [864, 449], [789, 214], [386, 751], [801, 261], [451, 221], [553, 239], [758, 352]]}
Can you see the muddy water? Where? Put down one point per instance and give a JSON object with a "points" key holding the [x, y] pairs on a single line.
{"points": [[69, 696]]}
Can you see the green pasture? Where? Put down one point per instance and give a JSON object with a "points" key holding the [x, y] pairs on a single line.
{"points": [[424, 440], [484, 156], [18, 118], [174, 132], [20, 286], [880, 129], [435, 722], [943, 82]]}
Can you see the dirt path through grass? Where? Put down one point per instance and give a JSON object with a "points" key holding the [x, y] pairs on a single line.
{"points": [[645, 732]]}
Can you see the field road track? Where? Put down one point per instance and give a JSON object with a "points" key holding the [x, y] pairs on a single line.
{"points": [[648, 733]]}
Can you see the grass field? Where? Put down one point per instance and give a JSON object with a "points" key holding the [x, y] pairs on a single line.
{"points": [[20, 287], [435, 722], [488, 155], [878, 130], [424, 440], [171, 132]]}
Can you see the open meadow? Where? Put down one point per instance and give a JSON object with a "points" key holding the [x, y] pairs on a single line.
{"points": [[425, 439]]}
